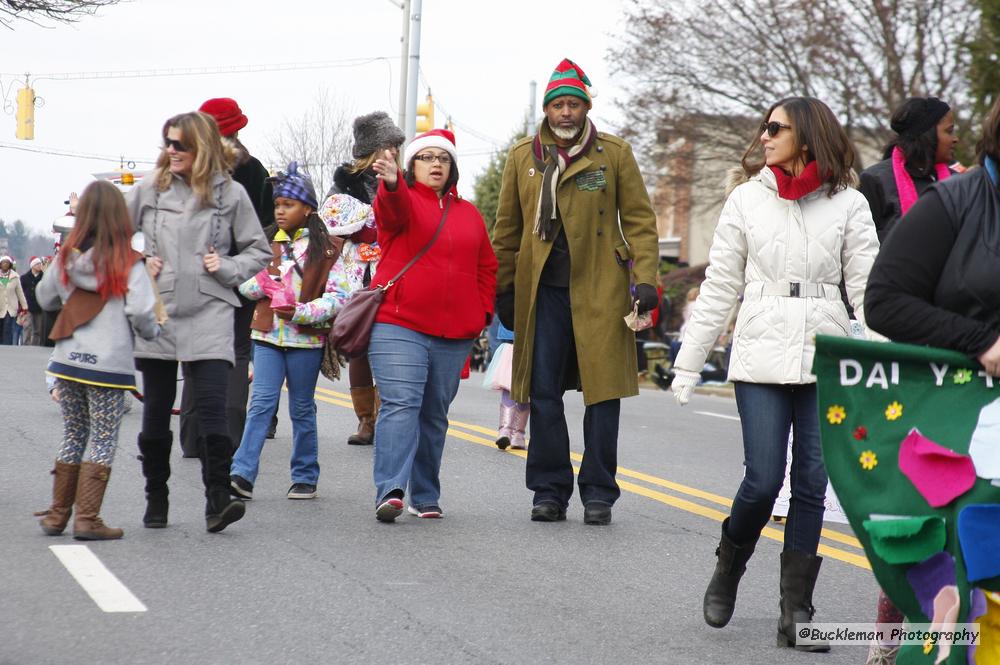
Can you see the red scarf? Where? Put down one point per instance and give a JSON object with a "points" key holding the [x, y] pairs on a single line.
{"points": [[793, 188]]}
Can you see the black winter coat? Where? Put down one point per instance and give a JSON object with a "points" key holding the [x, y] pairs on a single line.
{"points": [[28, 283], [361, 186], [878, 184], [936, 280]]}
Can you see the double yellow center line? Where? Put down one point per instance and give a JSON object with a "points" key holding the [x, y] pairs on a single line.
{"points": [[474, 434]]}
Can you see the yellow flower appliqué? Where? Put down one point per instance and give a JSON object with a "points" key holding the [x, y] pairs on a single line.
{"points": [[836, 414], [962, 376], [894, 411], [869, 460]]}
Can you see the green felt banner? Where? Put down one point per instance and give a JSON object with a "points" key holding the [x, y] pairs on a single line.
{"points": [[907, 432]]}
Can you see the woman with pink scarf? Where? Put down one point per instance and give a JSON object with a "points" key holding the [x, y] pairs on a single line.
{"points": [[918, 156]]}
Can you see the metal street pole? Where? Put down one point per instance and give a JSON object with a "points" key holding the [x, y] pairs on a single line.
{"points": [[529, 117], [404, 56], [414, 69]]}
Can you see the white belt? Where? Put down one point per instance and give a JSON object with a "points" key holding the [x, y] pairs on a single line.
{"points": [[795, 289]]}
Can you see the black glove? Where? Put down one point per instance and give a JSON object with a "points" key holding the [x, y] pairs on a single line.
{"points": [[647, 298], [505, 309]]}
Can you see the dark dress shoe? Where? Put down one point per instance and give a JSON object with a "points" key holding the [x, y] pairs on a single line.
{"points": [[547, 511], [597, 513]]}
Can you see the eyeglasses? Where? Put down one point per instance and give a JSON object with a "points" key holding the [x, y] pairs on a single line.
{"points": [[772, 128], [177, 145], [427, 158]]}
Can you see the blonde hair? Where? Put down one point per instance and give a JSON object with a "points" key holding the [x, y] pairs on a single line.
{"points": [[364, 163], [200, 136]]}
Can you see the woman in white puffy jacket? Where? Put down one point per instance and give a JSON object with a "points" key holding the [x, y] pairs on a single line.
{"points": [[785, 239]]}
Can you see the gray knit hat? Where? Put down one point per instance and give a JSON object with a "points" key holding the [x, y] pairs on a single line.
{"points": [[373, 131]]}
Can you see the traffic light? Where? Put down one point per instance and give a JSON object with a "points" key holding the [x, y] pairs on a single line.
{"points": [[26, 114], [425, 115]]}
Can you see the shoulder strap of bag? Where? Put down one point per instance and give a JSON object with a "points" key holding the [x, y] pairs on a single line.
{"points": [[416, 257]]}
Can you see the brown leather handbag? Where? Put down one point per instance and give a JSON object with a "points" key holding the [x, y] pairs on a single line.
{"points": [[352, 325]]}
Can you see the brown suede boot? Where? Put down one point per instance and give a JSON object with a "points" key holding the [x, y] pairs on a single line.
{"points": [[366, 407], [55, 519], [87, 525]]}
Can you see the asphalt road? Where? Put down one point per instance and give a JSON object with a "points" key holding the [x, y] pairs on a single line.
{"points": [[322, 582]]}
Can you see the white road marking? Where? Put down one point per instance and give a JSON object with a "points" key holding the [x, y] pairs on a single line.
{"points": [[100, 583], [717, 415]]}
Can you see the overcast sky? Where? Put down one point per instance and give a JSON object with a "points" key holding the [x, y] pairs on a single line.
{"points": [[478, 58]]}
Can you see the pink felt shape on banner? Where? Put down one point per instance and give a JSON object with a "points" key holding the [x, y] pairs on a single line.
{"points": [[939, 474], [946, 606]]}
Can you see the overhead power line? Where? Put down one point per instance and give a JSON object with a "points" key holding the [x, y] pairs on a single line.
{"points": [[479, 135], [202, 71], [70, 153]]}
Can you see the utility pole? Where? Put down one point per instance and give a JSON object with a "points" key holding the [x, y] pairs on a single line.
{"points": [[403, 60], [529, 117], [413, 70]]}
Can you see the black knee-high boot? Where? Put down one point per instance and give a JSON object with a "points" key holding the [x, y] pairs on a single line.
{"points": [[154, 453], [221, 509]]}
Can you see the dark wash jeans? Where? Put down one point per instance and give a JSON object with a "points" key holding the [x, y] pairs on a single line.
{"points": [[549, 472], [767, 412]]}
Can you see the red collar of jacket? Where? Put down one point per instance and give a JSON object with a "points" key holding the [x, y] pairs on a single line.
{"points": [[425, 191], [793, 188]]}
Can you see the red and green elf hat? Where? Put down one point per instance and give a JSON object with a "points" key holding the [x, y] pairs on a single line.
{"points": [[568, 79]]}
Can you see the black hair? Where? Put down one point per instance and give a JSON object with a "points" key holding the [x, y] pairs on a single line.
{"points": [[918, 151], [318, 235], [448, 184]]}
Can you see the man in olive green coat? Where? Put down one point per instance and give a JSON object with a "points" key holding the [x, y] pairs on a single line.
{"points": [[574, 231]]}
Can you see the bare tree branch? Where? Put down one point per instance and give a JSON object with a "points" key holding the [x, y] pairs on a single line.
{"points": [[734, 58], [38, 11], [319, 139]]}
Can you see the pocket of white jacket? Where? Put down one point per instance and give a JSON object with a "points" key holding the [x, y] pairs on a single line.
{"points": [[210, 287]]}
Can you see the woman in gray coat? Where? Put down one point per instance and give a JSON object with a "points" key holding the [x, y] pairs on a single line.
{"points": [[202, 238]]}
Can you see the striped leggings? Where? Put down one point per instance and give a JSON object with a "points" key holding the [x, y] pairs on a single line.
{"points": [[89, 412]]}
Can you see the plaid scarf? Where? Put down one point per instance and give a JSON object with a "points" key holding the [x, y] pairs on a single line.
{"points": [[552, 169]]}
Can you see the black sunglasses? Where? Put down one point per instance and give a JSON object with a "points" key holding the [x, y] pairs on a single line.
{"points": [[179, 147], [772, 128]]}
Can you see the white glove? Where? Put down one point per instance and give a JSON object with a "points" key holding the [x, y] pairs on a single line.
{"points": [[683, 385]]}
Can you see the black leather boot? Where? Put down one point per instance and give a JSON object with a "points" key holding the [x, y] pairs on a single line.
{"points": [[221, 509], [154, 453], [720, 596], [798, 579]]}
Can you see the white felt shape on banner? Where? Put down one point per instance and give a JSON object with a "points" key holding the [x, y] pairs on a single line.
{"points": [[984, 449]]}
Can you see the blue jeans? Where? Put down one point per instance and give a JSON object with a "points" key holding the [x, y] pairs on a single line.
{"points": [[548, 472], [273, 366], [767, 412], [417, 377]]}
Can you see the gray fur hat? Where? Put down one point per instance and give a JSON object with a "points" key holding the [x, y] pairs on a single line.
{"points": [[373, 131]]}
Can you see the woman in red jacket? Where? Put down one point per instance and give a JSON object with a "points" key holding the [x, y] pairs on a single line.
{"points": [[427, 322]]}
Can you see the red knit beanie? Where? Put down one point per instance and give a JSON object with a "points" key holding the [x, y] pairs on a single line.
{"points": [[227, 113]]}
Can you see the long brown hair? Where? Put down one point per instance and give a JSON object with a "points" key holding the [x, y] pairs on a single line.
{"points": [[200, 136], [989, 142], [103, 223], [815, 127]]}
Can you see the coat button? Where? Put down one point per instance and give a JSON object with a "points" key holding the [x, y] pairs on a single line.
{"points": [[600, 211], [600, 232], [604, 167], [600, 148]]}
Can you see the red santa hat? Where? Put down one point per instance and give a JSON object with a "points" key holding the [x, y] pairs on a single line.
{"points": [[436, 138], [33, 260]]}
